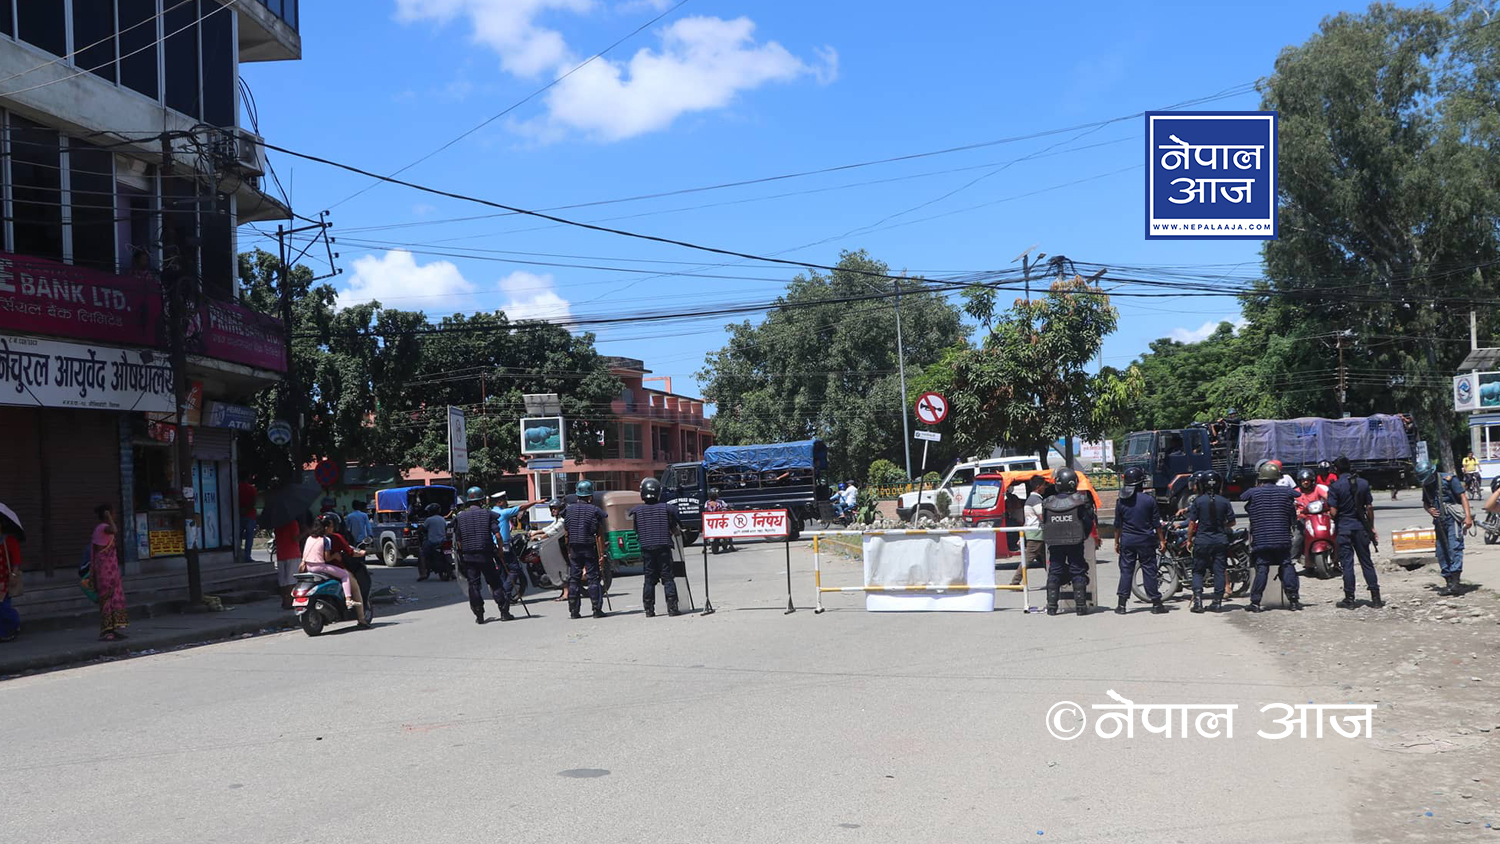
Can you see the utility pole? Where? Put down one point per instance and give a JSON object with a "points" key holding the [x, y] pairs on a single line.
{"points": [[174, 276], [1027, 263], [1343, 386], [901, 368], [290, 405]]}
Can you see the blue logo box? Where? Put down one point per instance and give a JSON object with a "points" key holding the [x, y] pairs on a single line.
{"points": [[1211, 175]]}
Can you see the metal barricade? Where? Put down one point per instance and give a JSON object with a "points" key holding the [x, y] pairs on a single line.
{"points": [[817, 535]]}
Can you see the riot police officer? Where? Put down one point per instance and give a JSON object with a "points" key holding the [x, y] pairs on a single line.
{"points": [[1273, 513], [1067, 521], [1138, 535], [1354, 508], [1210, 519], [655, 523], [585, 525], [474, 545]]}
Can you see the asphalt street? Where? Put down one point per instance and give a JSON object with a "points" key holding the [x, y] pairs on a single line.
{"points": [[749, 724]]}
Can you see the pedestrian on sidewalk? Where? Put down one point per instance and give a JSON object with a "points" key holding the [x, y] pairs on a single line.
{"points": [[1138, 536], [287, 546], [1444, 500], [247, 495], [10, 571], [1034, 552], [655, 522], [105, 567], [1273, 513]]}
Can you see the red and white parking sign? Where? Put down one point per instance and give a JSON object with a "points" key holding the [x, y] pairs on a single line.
{"points": [[745, 523]]}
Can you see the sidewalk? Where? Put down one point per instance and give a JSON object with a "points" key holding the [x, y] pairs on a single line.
{"points": [[65, 646]]}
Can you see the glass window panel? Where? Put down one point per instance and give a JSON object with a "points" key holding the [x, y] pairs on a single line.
{"points": [[138, 25], [181, 31], [94, 36], [219, 102], [91, 181], [36, 175], [42, 23]]}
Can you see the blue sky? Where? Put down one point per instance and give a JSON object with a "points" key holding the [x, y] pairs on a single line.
{"points": [[725, 90]]}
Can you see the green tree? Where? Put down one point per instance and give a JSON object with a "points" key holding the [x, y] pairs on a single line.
{"points": [[1026, 385], [1389, 214], [829, 371], [884, 473]]}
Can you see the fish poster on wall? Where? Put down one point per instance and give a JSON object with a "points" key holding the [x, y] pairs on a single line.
{"points": [[542, 435]]}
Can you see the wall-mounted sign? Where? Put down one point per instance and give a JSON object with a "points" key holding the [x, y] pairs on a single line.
{"points": [[458, 442], [217, 414], [51, 373], [238, 334], [51, 298], [1476, 391], [279, 433]]}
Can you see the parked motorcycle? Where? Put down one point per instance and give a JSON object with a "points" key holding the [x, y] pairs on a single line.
{"points": [[534, 566], [1174, 566], [319, 601], [1318, 542]]}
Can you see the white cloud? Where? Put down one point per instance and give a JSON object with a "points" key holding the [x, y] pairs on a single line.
{"points": [[397, 281], [1204, 331], [532, 296], [700, 64], [422, 209]]}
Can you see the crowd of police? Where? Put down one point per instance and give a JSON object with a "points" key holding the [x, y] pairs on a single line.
{"points": [[483, 554], [1274, 506]]}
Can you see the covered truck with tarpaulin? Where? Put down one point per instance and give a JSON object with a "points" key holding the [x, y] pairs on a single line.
{"points": [[1380, 448], [399, 513], [773, 476]]}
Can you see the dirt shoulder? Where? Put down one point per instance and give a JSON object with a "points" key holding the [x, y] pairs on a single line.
{"points": [[1432, 664]]}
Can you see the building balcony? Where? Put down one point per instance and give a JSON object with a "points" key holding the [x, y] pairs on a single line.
{"points": [[269, 30]]}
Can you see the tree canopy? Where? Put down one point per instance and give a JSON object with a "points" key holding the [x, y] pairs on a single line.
{"points": [[377, 381], [829, 371]]}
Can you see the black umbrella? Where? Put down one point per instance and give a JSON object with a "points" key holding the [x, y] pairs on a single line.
{"points": [[287, 503]]}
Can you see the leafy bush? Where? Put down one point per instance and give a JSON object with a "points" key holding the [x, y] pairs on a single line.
{"points": [[885, 473], [866, 506], [932, 479], [943, 501]]}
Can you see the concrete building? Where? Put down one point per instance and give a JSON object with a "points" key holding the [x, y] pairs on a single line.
{"points": [[128, 166]]}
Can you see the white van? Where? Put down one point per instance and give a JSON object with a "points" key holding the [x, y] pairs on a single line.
{"points": [[960, 478]]}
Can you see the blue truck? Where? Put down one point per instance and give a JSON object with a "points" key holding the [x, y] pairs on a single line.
{"points": [[397, 522], [776, 476]]}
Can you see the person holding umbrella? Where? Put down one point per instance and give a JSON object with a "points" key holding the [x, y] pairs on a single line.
{"points": [[11, 536], [286, 512]]}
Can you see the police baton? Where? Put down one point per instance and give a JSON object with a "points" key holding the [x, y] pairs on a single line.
{"points": [[708, 604]]}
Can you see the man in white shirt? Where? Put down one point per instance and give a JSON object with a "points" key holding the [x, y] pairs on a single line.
{"points": [[851, 495]]}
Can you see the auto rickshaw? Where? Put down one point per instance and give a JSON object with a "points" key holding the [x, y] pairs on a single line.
{"points": [[624, 548], [991, 504]]}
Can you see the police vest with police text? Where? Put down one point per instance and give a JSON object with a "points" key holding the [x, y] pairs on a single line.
{"points": [[1063, 517]]}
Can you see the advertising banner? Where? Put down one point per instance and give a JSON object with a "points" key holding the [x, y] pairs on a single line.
{"points": [[1211, 175], [1476, 391], [458, 442], [241, 335], [51, 373], [542, 435], [45, 297]]}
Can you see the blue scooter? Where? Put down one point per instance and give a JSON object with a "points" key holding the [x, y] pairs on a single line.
{"points": [[319, 600]]}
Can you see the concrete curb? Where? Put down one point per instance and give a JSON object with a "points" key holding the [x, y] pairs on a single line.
{"points": [[160, 642]]}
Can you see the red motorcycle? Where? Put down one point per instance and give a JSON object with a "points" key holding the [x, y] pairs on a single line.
{"points": [[1318, 550]]}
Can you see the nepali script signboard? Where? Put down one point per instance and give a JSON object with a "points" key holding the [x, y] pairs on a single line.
{"points": [[745, 523], [45, 297], [1211, 175], [50, 373]]}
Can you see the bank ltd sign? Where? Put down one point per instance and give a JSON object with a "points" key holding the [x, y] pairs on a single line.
{"points": [[1211, 175]]}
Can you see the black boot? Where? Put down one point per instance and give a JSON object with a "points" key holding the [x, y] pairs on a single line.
{"points": [[573, 607], [505, 613], [1253, 608], [672, 608], [1052, 591], [1375, 598], [1081, 597], [1455, 588], [1158, 608], [1292, 602], [1347, 603], [1217, 604], [479, 618], [598, 611], [650, 611], [1197, 602], [1120, 608]]}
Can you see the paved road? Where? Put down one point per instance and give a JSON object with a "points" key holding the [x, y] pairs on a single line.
{"points": [[745, 725]]}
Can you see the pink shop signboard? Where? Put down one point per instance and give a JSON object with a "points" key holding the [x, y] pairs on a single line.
{"points": [[38, 296]]}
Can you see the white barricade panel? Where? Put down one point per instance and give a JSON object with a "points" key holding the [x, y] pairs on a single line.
{"points": [[893, 561]]}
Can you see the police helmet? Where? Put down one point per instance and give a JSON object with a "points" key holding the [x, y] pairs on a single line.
{"points": [[1066, 481], [1306, 476], [1196, 482], [1341, 465], [1135, 476], [475, 495], [585, 489], [1268, 473], [1426, 473], [555, 504], [1213, 482], [651, 490]]}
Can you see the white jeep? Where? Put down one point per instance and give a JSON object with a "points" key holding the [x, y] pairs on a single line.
{"points": [[960, 478]]}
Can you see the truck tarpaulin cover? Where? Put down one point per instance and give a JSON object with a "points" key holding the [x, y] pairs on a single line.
{"points": [[395, 500], [806, 454], [1299, 442]]}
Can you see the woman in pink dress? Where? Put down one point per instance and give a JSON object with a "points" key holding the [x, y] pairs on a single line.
{"points": [[105, 568]]}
